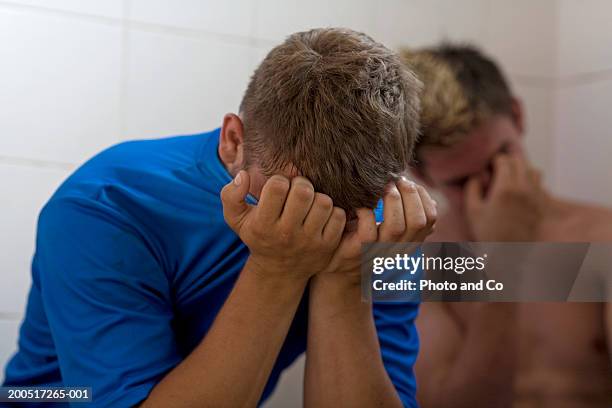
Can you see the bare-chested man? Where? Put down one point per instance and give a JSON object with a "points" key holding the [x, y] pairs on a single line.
{"points": [[501, 354]]}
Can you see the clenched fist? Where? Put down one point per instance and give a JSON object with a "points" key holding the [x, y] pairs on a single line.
{"points": [[292, 232]]}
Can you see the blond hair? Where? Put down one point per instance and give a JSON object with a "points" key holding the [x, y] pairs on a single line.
{"points": [[461, 87]]}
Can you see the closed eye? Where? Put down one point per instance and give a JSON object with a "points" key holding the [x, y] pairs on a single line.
{"points": [[457, 183]]}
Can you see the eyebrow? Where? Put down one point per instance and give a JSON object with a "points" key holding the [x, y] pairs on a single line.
{"points": [[459, 181]]}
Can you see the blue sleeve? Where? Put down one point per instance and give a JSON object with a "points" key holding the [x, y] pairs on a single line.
{"points": [[107, 302], [399, 345]]}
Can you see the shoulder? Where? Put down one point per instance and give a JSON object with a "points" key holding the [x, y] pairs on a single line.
{"points": [[131, 164], [150, 154], [177, 148], [596, 221]]}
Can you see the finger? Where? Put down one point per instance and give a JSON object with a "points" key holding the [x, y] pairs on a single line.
{"points": [[394, 224], [364, 230], [299, 201], [502, 174], [272, 200], [520, 170], [535, 176], [473, 196], [367, 230], [431, 212], [414, 213], [332, 232], [320, 211], [233, 197]]}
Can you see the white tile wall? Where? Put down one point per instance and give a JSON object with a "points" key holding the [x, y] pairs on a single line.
{"points": [[538, 109], [415, 23], [407, 23], [521, 34], [225, 17], [179, 84], [584, 142], [463, 20], [585, 37], [106, 8], [76, 77], [275, 19], [8, 341], [24, 191], [60, 85]]}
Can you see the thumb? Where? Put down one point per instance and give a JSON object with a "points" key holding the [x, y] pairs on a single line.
{"points": [[233, 195], [473, 196]]}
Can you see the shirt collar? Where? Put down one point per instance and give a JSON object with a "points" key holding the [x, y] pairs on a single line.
{"points": [[211, 166]]}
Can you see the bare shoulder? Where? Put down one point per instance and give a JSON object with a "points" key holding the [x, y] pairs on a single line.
{"points": [[586, 222], [598, 222]]}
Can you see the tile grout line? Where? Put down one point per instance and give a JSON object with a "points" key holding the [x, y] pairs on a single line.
{"points": [[37, 163], [12, 316], [11, 5], [126, 23], [143, 26], [532, 81], [584, 78], [554, 102], [124, 68]]}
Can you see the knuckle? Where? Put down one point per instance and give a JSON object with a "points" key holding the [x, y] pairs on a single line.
{"points": [[433, 212], [396, 230], [303, 191], [418, 221], [407, 186], [229, 219], [286, 233], [323, 201], [260, 226], [278, 184], [422, 190], [338, 214], [257, 229], [394, 194], [431, 219], [302, 181], [224, 194]]}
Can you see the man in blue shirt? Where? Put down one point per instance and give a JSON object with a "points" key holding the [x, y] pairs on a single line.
{"points": [[190, 271]]}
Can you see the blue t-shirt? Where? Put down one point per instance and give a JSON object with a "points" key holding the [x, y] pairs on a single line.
{"points": [[133, 262]]}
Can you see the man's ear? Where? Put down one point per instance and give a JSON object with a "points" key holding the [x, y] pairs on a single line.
{"points": [[231, 143], [517, 114]]}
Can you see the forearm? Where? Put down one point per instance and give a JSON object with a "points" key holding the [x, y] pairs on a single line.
{"points": [[232, 364], [344, 366], [608, 325]]}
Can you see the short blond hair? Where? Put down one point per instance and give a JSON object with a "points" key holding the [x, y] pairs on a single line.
{"points": [[461, 87]]}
